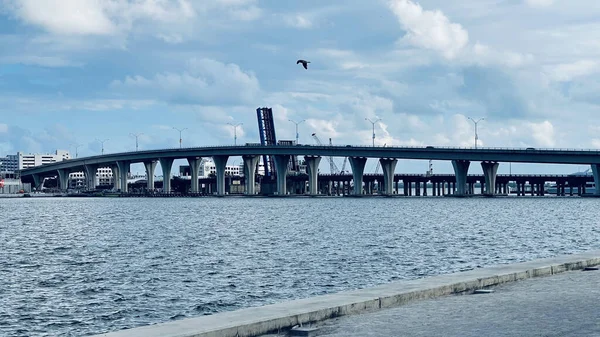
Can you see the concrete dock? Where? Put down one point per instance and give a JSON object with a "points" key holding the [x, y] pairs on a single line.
{"points": [[559, 305], [278, 318]]}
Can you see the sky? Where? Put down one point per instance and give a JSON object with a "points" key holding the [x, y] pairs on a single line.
{"points": [[81, 71]]}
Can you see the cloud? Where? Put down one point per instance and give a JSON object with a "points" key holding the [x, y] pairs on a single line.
{"points": [[543, 133], [48, 140], [298, 21], [205, 82], [114, 17], [569, 71], [246, 14], [494, 91], [170, 38], [430, 29], [43, 61], [539, 3]]}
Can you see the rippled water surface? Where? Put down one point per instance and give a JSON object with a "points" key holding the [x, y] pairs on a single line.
{"points": [[72, 267]]}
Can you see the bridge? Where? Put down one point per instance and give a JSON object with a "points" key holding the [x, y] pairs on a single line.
{"points": [[357, 155]]}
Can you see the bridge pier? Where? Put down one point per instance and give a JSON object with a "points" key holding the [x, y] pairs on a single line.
{"points": [[63, 179], [220, 165], [194, 172], [489, 172], [116, 177], [150, 169], [596, 173], [38, 181], [90, 176], [123, 171], [461, 168], [166, 164], [282, 163], [358, 169], [312, 166], [250, 163]]}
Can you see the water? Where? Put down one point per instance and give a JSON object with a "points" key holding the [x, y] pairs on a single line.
{"points": [[72, 267]]}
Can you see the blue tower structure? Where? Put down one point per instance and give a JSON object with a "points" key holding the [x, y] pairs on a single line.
{"points": [[266, 129]]}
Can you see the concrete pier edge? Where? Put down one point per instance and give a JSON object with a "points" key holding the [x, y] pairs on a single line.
{"points": [[281, 316]]}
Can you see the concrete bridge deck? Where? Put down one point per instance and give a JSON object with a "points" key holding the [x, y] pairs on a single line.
{"points": [[357, 155]]}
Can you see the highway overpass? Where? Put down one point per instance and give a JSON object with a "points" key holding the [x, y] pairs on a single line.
{"points": [[388, 156]]}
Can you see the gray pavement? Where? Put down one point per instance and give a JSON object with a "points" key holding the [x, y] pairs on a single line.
{"points": [[566, 304]]}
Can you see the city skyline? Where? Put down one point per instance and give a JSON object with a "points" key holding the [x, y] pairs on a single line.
{"points": [[148, 68]]}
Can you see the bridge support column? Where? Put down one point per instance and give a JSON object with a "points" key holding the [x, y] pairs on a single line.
{"points": [[90, 176], [461, 168], [250, 163], [282, 163], [388, 165], [358, 168], [38, 181], [194, 172], [116, 177], [150, 169], [596, 173], [220, 165], [166, 164], [123, 172], [489, 172], [312, 165], [63, 179]]}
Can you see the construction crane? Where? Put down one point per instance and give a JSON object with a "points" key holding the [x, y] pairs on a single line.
{"points": [[332, 167], [343, 170]]}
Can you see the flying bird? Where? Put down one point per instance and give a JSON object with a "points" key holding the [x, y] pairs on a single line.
{"points": [[304, 63]]}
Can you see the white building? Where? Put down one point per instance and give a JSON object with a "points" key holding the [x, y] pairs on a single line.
{"points": [[207, 167], [32, 160], [103, 177]]}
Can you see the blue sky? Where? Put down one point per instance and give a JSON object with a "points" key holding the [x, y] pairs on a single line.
{"points": [[73, 71]]}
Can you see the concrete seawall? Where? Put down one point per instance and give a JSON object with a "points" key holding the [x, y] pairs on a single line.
{"points": [[281, 316]]}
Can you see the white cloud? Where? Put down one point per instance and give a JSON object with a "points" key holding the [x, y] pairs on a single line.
{"points": [[569, 71], [206, 82], [112, 17], [298, 21], [543, 133], [539, 3], [246, 14], [96, 17], [485, 55], [430, 29], [3, 128], [170, 38]]}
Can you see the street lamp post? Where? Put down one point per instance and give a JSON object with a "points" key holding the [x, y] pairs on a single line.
{"points": [[297, 123], [373, 122], [235, 126], [180, 131], [136, 135], [102, 142], [475, 122], [76, 147]]}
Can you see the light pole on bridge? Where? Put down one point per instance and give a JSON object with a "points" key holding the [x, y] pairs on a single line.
{"points": [[475, 122], [235, 126], [76, 147], [297, 123], [102, 142], [180, 131], [136, 135], [373, 122]]}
